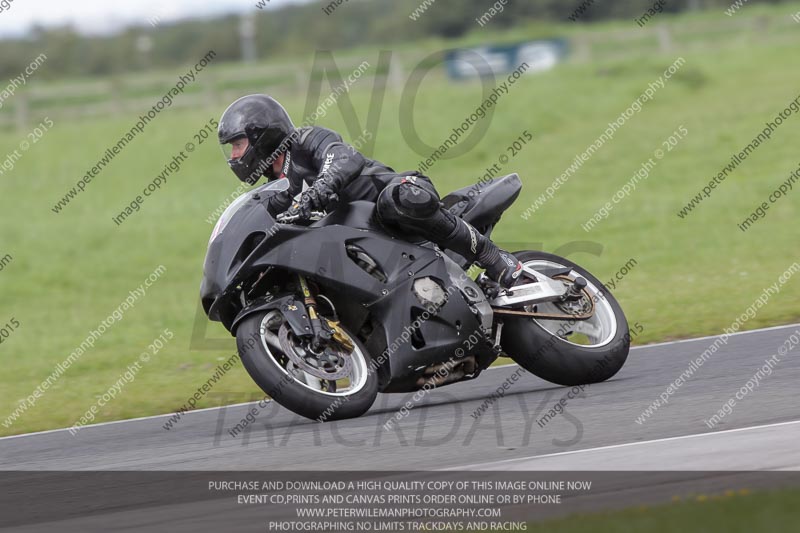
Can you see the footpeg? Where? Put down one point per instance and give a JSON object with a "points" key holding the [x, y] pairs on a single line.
{"points": [[491, 288]]}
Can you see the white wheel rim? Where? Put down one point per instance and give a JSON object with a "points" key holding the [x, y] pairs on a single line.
{"points": [[357, 379], [600, 329]]}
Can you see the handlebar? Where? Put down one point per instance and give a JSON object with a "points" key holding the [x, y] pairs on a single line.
{"points": [[284, 218]]}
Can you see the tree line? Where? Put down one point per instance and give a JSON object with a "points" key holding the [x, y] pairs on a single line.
{"points": [[295, 30]]}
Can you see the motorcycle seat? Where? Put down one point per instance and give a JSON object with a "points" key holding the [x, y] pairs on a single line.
{"points": [[482, 204]]}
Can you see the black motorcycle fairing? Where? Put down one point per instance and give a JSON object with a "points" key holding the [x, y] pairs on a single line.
{"points": [[249, 220], [359, 214], [411, 344], [412, 338], [258, 243], [225, 256], [362, 268], [322, 254]]}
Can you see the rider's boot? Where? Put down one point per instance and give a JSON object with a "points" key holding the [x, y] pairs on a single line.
{"points": [[501, 266], [414, 206]]}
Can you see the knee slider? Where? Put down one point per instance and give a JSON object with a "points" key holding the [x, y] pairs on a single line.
{"points": [[406, 202]]}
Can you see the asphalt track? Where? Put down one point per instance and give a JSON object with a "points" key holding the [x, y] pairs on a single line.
{"points": [[598, 431], [441, 433]]}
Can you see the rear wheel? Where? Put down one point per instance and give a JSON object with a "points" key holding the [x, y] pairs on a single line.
{"points": [[569, 351], [331, 384]]}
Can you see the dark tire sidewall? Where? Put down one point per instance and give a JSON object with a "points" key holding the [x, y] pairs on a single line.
{"points": [[552, 359]]}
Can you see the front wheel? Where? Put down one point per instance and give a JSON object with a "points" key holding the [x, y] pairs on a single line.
{"points": [[333, 384], [568, 351]]}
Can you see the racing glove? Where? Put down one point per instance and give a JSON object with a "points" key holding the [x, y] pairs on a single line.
{"points": [[316, 198]]}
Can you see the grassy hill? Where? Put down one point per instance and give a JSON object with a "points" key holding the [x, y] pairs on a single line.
{"points": [[694, 275]]}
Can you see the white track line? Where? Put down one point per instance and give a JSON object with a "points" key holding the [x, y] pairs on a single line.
{"points": [[152, 417], [628, 444], [681, 341]]}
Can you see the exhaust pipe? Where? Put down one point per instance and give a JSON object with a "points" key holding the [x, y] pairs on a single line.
{"points": [[465, 367]]}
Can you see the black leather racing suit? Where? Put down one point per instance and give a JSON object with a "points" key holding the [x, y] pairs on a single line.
{"points": [[319, 152], [407, 202]]}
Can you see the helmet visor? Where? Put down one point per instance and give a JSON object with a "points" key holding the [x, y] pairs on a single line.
{"points": [[236, 148]]}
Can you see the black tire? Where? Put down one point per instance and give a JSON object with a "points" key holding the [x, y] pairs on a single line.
{"points": [[554, 359], [288, 392]]}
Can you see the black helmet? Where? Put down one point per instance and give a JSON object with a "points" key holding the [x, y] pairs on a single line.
{"points": [[268, 129]]}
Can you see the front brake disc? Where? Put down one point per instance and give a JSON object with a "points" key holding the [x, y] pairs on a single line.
{"points": [[330, 365]]}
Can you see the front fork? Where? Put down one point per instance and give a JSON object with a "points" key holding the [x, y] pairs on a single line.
{"points": [[322, 329], [321, 333]]}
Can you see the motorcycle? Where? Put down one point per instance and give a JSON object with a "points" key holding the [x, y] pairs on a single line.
{"points": [[330, 312]]}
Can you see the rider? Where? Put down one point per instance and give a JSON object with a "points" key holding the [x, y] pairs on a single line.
{"points": [[259, 138]]}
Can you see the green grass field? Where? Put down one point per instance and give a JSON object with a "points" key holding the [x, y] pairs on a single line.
{"points": [[694, 276], [732, 512]]}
